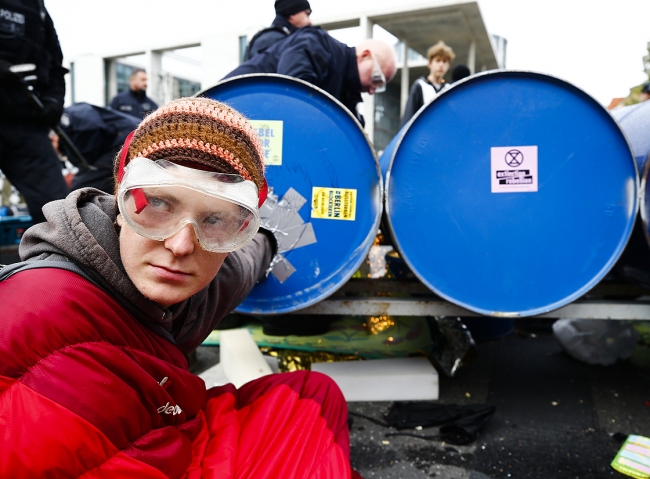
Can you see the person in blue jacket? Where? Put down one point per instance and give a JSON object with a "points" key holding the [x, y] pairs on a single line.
{"points": [[312, 55], [290, 15], [135, 101]]}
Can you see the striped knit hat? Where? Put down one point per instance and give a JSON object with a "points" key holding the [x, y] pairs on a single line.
{"points": [[198, 133]]}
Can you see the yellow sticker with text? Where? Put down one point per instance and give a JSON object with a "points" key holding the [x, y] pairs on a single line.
{"points": [[270, 133], [333, 203]]}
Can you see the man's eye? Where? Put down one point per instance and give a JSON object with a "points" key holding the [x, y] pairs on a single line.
{"points": [[158, 203], [213, 220]]}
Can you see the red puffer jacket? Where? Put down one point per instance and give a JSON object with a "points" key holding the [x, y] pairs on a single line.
{"points": [[87, 391]]}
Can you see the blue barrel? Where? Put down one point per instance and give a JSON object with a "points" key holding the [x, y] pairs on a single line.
{"points": [[634, 264], [634, 120], [326, 187], [511, 194]]}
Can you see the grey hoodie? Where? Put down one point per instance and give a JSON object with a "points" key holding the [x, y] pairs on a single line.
{"points": [[81, 229]]}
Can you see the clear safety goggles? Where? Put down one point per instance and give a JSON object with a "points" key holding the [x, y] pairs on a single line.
{"points": [[159, 198], [378, 78]]}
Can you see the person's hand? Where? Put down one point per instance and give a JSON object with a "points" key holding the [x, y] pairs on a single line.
{"points": [[6, 76]]}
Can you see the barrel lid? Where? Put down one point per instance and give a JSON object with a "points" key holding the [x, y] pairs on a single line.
{"points": [[512, 193], [324, 175]]}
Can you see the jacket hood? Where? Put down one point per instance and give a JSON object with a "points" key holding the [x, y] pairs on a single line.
{"points": [[81, 228]]}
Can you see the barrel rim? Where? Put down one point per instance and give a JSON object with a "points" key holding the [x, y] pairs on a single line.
{"points": [[645, 220]]}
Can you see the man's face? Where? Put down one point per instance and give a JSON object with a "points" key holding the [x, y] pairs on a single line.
{"points": [[645, 96], [369, 71], [139, 81], [439, 66], [169, 271], [300, 19]]}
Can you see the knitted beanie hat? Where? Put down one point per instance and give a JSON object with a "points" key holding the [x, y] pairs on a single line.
{"points": [[286, 8], [199, 133]]}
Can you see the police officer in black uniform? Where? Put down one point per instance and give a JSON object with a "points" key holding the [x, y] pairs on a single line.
{"points": [[135, 101], [27, 158], [289, 16]]}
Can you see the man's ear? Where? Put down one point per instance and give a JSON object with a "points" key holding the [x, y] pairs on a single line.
{"points": [[364, 54], [119, 220]]}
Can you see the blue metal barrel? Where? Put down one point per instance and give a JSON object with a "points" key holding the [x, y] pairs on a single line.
{"points": [[326, 187], [634, 264], [634, 120], [511, 194]]}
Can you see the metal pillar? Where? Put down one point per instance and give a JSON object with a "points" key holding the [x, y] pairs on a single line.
{"points": [[153, 60], [471, 57], [368, 100], [405, 78], [111, 79]]}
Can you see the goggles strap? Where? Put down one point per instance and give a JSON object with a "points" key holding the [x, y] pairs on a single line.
{"points": [[140, 200], [263, 193], [138, 195], [125, 152]]}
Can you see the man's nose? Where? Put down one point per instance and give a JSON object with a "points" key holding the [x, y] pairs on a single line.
{"points": [[184, 242]]}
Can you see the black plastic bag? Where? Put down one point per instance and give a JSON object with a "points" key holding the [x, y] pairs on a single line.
{"points": [[459, 424]]}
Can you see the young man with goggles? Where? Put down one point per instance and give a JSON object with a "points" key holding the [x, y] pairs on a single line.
{"points": [[115, 291], [158, 198]]}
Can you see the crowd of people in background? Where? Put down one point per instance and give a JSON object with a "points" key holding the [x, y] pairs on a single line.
{"points": [[291, 46]]}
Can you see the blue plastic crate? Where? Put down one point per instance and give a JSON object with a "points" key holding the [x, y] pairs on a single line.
{"points": [[12, 229]]}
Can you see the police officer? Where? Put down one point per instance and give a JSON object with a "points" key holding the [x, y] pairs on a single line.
{"points": [[135, 101], [289, 16], [313, 55], [27, 158]]}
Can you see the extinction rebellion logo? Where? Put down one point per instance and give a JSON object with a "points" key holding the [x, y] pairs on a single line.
{"points": [[514, 169], [514, 158]]}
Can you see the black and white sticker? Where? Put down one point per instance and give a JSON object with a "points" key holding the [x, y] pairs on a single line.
{"points": [[514, 169]]}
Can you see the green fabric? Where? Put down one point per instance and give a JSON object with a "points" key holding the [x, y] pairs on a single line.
{"points": [[348, 335]]}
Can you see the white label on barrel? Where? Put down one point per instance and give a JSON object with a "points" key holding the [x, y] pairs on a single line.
{"points": [[333, 203], [270, 133], [514, 169]]}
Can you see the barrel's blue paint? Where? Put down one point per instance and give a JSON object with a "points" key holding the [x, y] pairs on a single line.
{"points": [[511, 254], [387, 154], [635, 123], [634, 120], [634, 264], [323, 146]]}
